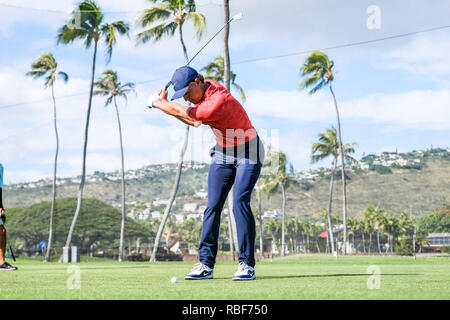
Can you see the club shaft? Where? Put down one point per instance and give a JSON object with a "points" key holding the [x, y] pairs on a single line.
{"points": [[12, 253], [170, 82], [209, 41]]}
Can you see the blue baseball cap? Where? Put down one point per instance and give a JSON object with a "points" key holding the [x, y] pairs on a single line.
{"points": [[181, 79]]}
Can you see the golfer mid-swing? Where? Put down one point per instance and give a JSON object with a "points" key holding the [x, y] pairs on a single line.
{"points": [[236, 159]]}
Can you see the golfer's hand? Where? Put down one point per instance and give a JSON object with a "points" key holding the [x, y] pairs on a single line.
{"points": [[163, 94], [2, 211]]}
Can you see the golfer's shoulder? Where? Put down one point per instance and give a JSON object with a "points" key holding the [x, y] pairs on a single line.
{"points": [[218, 94]]}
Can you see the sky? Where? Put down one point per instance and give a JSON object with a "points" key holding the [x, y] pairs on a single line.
{"points": [[392, 94]]}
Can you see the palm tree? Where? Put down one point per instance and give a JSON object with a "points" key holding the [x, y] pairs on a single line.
{"points": [[369, 227], [226, 81], [110, 87], [171, 15], [272, 227], [353, 223], [276, 180], [319, 70], [87, 24], [328, 146], [260, 219], [46, 65], [215, 71]]}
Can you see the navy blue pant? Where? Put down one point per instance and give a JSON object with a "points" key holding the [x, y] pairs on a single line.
{"points": [[222, 175]]}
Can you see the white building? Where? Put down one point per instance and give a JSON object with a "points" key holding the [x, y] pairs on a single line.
{"points": [[156, 215], [142, 215], [179, 218], [165, 202], [202, 194], [191, 207], [201, 209], [273, 214]]}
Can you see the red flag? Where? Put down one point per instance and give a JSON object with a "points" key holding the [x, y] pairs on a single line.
{"points": [[324, 234]]}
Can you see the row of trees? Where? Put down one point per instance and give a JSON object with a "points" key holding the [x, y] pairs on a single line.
{"points": [[96, 229]]}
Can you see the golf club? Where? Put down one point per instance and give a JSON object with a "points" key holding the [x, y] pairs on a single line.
{"points": [[154, 96], [12, 253]]}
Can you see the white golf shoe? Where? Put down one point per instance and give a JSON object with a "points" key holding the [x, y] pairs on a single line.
{"points": [[244, 272], [200, 271]]}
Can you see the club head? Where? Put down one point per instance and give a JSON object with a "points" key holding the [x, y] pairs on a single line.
{"points": [[237, 16]]}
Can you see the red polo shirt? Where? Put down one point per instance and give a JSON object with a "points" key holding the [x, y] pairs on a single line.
{"points": [[224, 114]]}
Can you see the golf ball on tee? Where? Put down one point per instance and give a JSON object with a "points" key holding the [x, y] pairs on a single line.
{"points": [[174, 280]]}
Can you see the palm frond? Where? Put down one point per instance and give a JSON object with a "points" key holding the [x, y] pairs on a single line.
{"points": [[190, 6], [156, 33], [36, 73], [199, 23], [109, 31], [49, 80], [241, 91], [155, 14], [64, 76]]}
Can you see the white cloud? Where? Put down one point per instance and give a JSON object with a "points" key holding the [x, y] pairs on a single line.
{"points": [[416, 109], [425, 57]]}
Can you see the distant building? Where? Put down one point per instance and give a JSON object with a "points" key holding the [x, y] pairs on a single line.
{"points": [[201, 209], [195, 216], [142, 216], [273, 214], [202, 194], [179, 218], [191, 207], [165, 202], [438, 240], [156, 215]]}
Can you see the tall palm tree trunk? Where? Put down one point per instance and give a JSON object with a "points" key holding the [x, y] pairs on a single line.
{"points": [[180, 31], [52, 210], [344, 193], [283, 217], [378, 242], [364, 242], [330, 200], [226, 50], [261, 234], [230, 233], [226, 82], [122, 226], [83, 174], [172, 197]]}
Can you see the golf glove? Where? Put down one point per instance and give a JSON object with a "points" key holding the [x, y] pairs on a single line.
{"points": [[154, 97]]}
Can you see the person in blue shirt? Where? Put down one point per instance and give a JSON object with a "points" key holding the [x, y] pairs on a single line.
{"points": [[3, 264]]}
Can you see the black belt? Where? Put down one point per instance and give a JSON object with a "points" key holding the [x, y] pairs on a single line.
{"points": [[242, 150]]}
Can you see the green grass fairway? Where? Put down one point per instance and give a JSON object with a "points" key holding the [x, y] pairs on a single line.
{"points": [[293, 277]]}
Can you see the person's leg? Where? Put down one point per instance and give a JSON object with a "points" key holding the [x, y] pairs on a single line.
{"points": [[220, 180], [2, 243], [246, 177]]}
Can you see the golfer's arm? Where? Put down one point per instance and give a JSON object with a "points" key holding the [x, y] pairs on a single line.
{"points": [[188, 121], [177, 110]]}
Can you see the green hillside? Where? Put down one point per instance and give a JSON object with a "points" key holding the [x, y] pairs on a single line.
{"points": [[417, 189]]}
